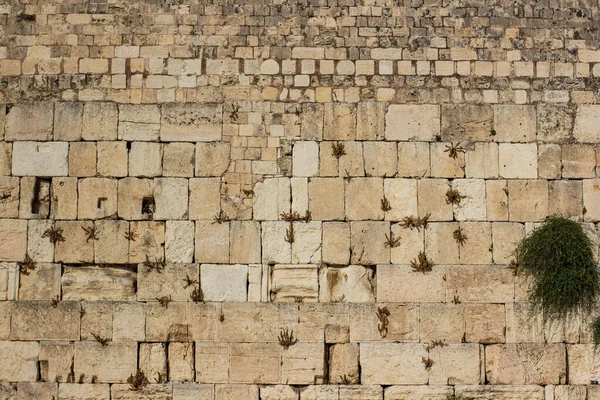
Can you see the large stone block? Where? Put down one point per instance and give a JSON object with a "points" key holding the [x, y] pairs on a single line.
{"points": [[19, 361], [272, 197], [191, 122], [145, 159], [555, 122], [254, 362], [525, 364], [148, 243], [211, 242], [113, 363], [500, 392], [41, 320], [205, 198], [479, 283], [367, 242], [212, 362], [153, 361], [212, 159], [445, 322], [393, 363], [353, 283], [129, 322], [97, 198], [29, 121], [370, 120], [83, 391], [179, 241], [303, 363], [366, 323], [467, 122], [100, 121], [171, 281], [442, 164], [171, 198], [340, 121], [178, 159], [412, 122], [56, 359], [326, 198], [485, 323], [514, 123], [42, 283], [98, 283], [413, 159], [432, 199], [363, 198], [400, 284], [244, 242], [9, 190], [456, 364], [528, 200], [408, 392], [40, 159], [292, 282], [112, 245], [139, 122], [518, 160], [586, 124], [224, 282], [181, 362], [305, 158], [13, 239], [68, 121]]}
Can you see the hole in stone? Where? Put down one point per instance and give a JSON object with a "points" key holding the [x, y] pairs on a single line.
{"points": [[100, 201], [40, 203], [148, 205]]}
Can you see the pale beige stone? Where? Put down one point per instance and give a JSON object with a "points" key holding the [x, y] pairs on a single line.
{"points": [[440, 246], [514, 123], [98, 283], [179, 241], [363, 198], [112, 245], [354, 283], [76, 248], [412, 242], [68, 121], [380, 158], [82, 159], [63, 198], [445, 322], [528, 200], [367, 242], [40, 159], [171, 198], [586, 123], [501, 392], [455, 364], [39, 247], [244, 242], [254, 362], [224, 282], [19, 361], [482, 161], [129, 323], [392, 363], [443, 165], [467, 122], [29, 121], [303, 363], [525, 364], [178, 159], [5, 157], [113, 363], [311, 121], [97, 319], [413, 159], [565, 197], [204, 198], [42, 283], [399, 283], [212, 159], [13, 239], [169, 282], [353, 162], [211, 242], [100, 121], [473, 206], [275, 248], [97, 198], [278, 392], [9, 190], [40, 320], [402, 196], [191, 122], [153, 361], [305, 158], [517, 160], [343, 363], [226, 392], [480, 283], [167, 324], [370, 120], [55, 361], [272, 197], [340, 122], [432, 199], [37, 390], [326, 198], [365, 325], [145, 159], [336, 243], [306, 248], [409, 392], [149, 241], [549, 161], [212, 362], [485, 323], [496, 200], [506, 236], [523, 324], [133, 193], [181, 362], [412, 122], [477, 249], [578, 161]]}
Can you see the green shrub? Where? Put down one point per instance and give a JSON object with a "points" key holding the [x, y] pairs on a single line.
{"points": [[558, 255], [596, 330]]}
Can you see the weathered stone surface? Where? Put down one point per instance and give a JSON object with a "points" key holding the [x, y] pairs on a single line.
{"points": [[303, 363], [98, 283], [191, 122], [514, 123], [485, 323], [392, 363], [399, 283], [340, 122], [353, 283], [76, 248], [97, 198], [254, 362], [481, 283], [113, 363], [412, 122], [171, 282], [37, 390], [224, 282], [179, 241], [445, 322], [205, 198], [211, 242], [272, 197], [112, 245], [29, 121], [291, 282], [181, 362], [501, 392], [100, 121], [366, 325], [149, 241], [68, 121], [178, 159], [467, 122], [85, 391], [408, 392], [278, 392], [455, 364], [43, 283], [343, 363], [171, 198], [212, 159], [555, 122], [244, 239], [326, 198], [40, 159], [41, 320], [586, 124], [19, 361], [129, 322], [56, 359], [153, 361], [367, 242]]}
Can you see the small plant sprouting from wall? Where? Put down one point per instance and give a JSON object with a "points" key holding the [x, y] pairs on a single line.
{"points": [[164, 300], [415, 222], [559, 257], [220, 218], [54, 234], [338, 150], [290, 236], [382, 326], [102, 340], [197, 296], [350, 379], [391, 241], [385, 205], [138, 381], [421, 264], [28, 265], [454, 197], [158, 264], [427, 362], [459, 236], [91, 232], [453, 150], [287, 339]]}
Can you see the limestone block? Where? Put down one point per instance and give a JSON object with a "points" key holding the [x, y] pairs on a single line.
{"points": [[522, 324], [129, 323], [171, 197], [479, 283], [506, 237], [496, 200], [500, 392], [82, 159], [224, 282], [68, 121], [467, 122], [112, 245], [205, 198], [63, 198], [225, 392], [517, 160], [305, 158], [299, 195], [565, 198], [303, 363], [431, 392], [339, 122], [354, 283], [153, 361], [211, 242], [578, 161], [278, 392], [37, 390], [13, 239], [363, 198], [485, 323], [40, 159], [586, 124], [482, 161], [98, 283], [343, 363], [525, 364], [381, 158], [272, 197], [19, 361], [336, 243], [40, 320], [256, 322], [444, 166], [139, 122], [311, 121], [152, 392], [306, 247], [352, 163], [112, 159], [100, 121], [212, 362], [149, 241], [34, 198], [191, 122], [145, 159], [403, 323], [326, 198], [5, 314], [9, 285], [367, 242], [412, 122], [399, 284], [402, 196], [166, 324], [358, 392], [445, 322], [456, 364], [440, 246], [413, 159], [169, 282], [179, 241], [567, 392], [39, 248], [528, 200], [549, 161], [186, 391], [244, 240], [412, 242], [5, 157], [477, 248], [8, 391], [181, 362], [473, 206], [514, 123], [290, 282], [112, 363], [370, 120], [323, 320], [83, 391], [555, 122], [97, 319], [42, 283], [432, 199], [178, 159], [392, 363], [133, 194], [97, 198], [9, 190], [254, 362], [212, 159], [275, 248], [29, 121], [76, 248]]}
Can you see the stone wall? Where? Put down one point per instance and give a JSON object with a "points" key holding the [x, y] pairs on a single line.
{"points": [[279, 200]]}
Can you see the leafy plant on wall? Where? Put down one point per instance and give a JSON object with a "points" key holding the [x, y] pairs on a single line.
{"points": [[558, 256]]}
